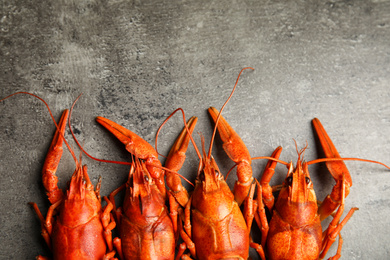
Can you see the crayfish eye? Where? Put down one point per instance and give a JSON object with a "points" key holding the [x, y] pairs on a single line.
{"points": [[146, 178], [201, 176], [307, 179], [289, 180]]}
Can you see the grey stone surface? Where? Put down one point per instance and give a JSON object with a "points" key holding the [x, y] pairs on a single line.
{"points": [[137, 61]]}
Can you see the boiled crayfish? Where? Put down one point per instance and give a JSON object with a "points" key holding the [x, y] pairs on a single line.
{"points": [[76, 226], [294, 231], [148, 230], [214, 226]]}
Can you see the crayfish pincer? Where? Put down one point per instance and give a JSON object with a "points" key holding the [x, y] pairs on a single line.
{"points": [[76, 226]]}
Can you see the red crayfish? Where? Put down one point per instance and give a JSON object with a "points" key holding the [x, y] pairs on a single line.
{"points": [[294, 231], [214, 226], [147, 229], [76, 226]]}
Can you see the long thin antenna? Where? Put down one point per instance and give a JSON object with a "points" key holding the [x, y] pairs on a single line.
{"points": [[322, 160], [220, 111], [79, 145], [270, 158], [186, 127], [52, 118], [345, 159]]}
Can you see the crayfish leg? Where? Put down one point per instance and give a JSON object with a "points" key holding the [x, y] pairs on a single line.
{"points": [[259, 249], [335, 226], [255, 209], [44, 231], [108, 222], [116, 211], [180, 252], [186, 230], [173, 212], [110, 256], [260, 215], [338, 253], [250, 207], [118, 246], [266, 177]]}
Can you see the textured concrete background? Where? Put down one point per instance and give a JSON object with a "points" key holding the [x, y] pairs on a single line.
{"points": [[136, 61]]}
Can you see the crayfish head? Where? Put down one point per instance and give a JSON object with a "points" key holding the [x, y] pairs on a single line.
{"points": [[141, 179], [80, 204], [297, 201], [209, 177], [212, 196], [299, 185], [142, 198]]}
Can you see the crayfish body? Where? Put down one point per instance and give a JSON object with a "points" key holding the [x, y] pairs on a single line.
{"points": [[295, 230], [219, 230], [76, 225], [214, 226], [78, 230], [146, 229]]}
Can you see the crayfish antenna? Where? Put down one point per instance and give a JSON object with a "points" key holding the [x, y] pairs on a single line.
{"points": [[189, 130], [222, 108], [81, 147], [346, 159], [270, 158], [51, 115], [301, 152], [185, 126]]}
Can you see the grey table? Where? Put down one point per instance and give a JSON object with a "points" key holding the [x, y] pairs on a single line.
{"points": [[137, 61]]}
